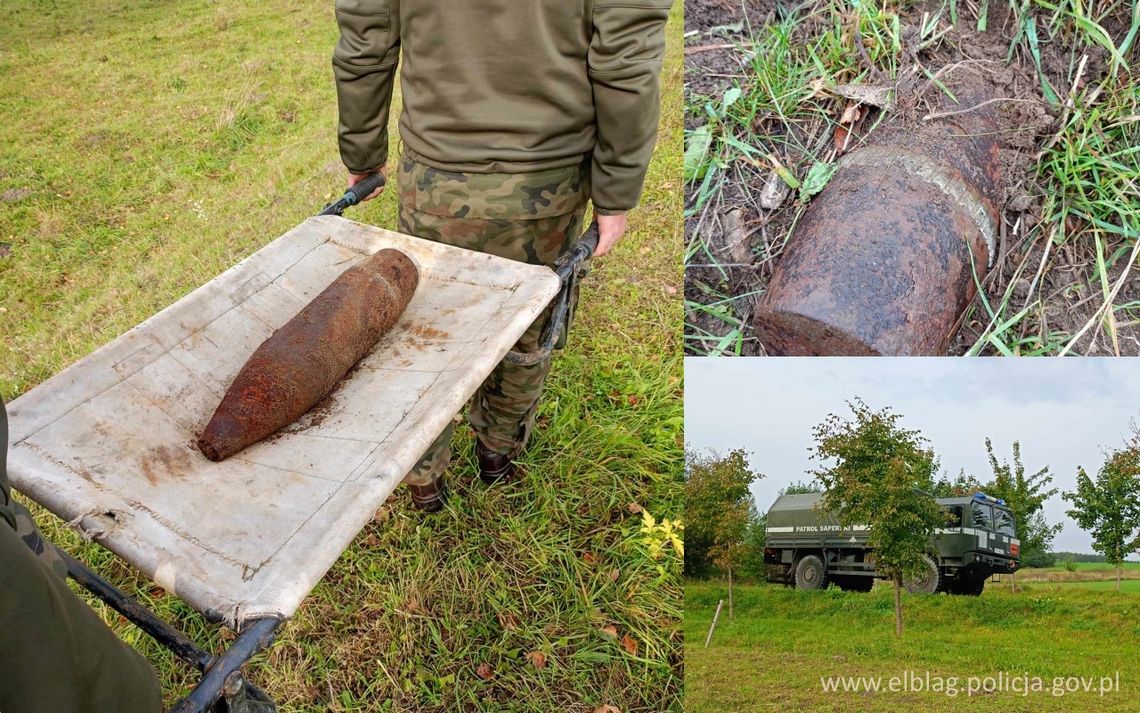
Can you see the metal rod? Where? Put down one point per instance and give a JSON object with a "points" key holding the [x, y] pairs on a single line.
{"points": [[173, 639], [257, 634]]}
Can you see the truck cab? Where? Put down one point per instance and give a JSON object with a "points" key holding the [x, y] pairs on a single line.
{"points": [[808, 548]]}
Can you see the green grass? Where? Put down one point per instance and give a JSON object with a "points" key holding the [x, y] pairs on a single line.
{"points": [[1078, 256], [146, 148], [1126, 585], [1083, 569], [772, 655]]}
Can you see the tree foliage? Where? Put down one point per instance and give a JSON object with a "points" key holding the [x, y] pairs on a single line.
{"points": [[962, 485], [1109, 507], [1025, 495], [797, 487], [877, 475], [718, 510]]}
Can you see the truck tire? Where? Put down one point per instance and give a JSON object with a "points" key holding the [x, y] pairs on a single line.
{"points": [[927, 582], [810, 573]]}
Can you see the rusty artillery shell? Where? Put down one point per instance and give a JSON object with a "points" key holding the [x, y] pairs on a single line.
{"points": [[302, 361], [884, 259]]}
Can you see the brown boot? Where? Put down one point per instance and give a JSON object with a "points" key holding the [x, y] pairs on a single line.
{"points": [[493, 467], [429, 497]]}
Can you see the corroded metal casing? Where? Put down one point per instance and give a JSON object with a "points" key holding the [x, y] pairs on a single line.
{"points": [[883, 260], [303, 360]]}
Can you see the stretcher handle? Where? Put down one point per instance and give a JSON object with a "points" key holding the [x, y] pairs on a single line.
{"points": [[354, 194], [567, 267]]}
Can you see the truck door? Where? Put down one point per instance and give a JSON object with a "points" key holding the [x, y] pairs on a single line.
{"points": [[982, 523]]}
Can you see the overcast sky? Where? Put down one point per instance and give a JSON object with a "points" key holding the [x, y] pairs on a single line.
{"points": [[1065, 412]]}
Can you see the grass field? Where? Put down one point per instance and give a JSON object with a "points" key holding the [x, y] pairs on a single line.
{"points": [[1084, 571], [148, 146], [782, 642]]}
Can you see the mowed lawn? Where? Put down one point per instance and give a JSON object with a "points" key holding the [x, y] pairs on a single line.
{"points": [[145, 148], [782, 642]]}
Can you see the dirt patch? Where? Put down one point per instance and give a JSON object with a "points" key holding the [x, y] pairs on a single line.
{"points": [[165, 462], [15, 195], [714, 30], [966, 73]]}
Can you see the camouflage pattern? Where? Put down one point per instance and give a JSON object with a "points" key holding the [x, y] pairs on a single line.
{"points": [[529, 217], [27, 531]]}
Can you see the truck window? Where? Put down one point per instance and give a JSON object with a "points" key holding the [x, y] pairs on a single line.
{"points": [[1004, 522], [983, 516], [955, 516]]}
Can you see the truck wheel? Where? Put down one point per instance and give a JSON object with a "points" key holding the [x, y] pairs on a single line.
{"points": [[972, 587], [927, 581], [810, 573]]}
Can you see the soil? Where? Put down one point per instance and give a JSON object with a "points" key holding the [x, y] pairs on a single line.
{"points": [[747, 240]]}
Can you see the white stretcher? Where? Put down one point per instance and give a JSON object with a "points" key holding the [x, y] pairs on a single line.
{"points": [[108, 444]]}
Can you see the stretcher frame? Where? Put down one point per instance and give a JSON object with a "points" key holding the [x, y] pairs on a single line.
{"points": [[221, 677]]}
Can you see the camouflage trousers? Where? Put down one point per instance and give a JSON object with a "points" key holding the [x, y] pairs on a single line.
{"points": [[529, 217]]}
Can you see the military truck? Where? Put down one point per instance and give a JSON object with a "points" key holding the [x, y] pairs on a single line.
{"points": [[806, 547]]}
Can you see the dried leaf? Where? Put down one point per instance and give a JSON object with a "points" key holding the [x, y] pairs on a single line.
{"points": [[484, 671], [508, 621], [851, 114], [865, 94], [590, 558], [629, 644], [609, 630], [773, 192], [537, 659], [847, 121], [614, 575], [736, 237], [839, 139], [633, 508], [607, 708]]}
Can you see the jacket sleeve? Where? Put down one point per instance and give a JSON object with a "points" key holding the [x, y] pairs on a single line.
{"points": [[625, 57], [364, 64]]}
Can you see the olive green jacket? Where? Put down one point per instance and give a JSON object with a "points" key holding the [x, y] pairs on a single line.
{"points": [[505, 86]]}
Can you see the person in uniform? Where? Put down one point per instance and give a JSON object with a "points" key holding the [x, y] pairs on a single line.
{"points": [[56, 654], [515, 116]]}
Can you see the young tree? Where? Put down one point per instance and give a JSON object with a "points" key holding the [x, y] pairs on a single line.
{"points": [[797, 487], [718, 509], [962, 485], [1025, 496], [877, 472], [1109, 508], [730, 542]]}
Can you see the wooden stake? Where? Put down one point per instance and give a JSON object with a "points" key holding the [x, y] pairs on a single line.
{"points": [[716, 616], [731, 612]]}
